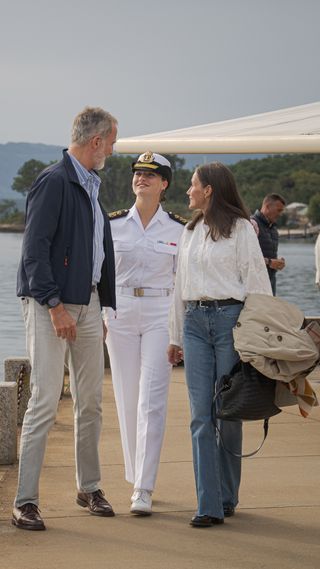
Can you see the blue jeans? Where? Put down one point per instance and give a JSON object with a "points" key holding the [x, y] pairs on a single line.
{"points": [[208, 355]]}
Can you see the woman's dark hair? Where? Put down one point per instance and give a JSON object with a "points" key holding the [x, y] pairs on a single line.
{"points": [[225, 205]]}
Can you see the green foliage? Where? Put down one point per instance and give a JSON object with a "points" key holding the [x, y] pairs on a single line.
{"points": [[9, 212], [306, 185], [295, 176], [314, 209], [27, 174], [7, 207], [253, 194], [176, 197], [115, 190], [16, 218]]}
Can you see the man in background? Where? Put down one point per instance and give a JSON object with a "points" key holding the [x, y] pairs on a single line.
{"points": [[272, 208], [66, 274]]}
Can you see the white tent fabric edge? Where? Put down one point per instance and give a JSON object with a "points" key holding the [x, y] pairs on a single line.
{"points": [[292, 130], [236, 145]]}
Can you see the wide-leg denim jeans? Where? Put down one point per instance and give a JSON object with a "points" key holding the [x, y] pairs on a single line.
{"points": [[208, 355]]}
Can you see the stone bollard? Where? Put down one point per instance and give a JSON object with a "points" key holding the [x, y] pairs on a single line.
{"points": [[18, 370], [8, 422]]}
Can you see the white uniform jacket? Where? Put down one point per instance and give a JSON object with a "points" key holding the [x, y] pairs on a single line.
{"points": [[145, 258]]}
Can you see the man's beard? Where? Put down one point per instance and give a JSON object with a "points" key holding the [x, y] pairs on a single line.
{"points": [[99, 161]]}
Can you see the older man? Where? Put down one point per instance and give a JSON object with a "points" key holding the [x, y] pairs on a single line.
{"points": [[265, 218], [66, 274]]}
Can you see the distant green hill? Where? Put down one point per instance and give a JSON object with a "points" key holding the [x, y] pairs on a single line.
{"points": [[14, 154], [295, 176]]}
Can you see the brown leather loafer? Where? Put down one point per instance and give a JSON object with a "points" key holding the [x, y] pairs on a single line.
{"points": [[96, 503], [28, 517], [205, 521]]}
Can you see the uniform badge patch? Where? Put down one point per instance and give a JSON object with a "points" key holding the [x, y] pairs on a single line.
{"points": [[178, 218], [119, 213]]}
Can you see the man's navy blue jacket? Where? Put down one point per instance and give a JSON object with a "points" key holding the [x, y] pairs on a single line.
{"points": [[268, 239], [58, 241]]}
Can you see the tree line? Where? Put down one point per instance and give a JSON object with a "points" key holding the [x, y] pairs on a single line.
{"points": [[295, 176]]}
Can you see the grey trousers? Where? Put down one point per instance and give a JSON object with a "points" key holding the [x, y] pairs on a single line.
{"points": [[86, 363]]}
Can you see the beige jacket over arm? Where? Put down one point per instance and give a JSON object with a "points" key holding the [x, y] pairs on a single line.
{"points": [[269, 335]]}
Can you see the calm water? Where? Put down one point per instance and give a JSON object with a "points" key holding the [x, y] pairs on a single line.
{"points": [[12, 339], [295, 284]]}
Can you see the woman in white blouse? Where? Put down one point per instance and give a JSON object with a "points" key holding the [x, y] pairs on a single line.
{"points": [[220, 262]]}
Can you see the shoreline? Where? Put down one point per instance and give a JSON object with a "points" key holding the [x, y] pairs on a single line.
{"points": [[11, 228], [284, 234]]}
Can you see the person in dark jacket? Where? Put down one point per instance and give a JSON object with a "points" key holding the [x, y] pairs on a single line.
{"points": [[66, 274], [265, 218]]}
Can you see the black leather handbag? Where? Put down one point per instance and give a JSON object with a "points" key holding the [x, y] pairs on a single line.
{"points": [[245, 394]]}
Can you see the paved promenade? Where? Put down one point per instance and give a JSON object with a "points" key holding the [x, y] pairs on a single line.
{"points": [[277, 524]]}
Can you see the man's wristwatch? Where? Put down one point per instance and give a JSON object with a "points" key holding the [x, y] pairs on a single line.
{"points": [[53, 302]]}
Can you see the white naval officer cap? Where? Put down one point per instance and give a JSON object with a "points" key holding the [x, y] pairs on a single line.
{"points": [[150, 161]]}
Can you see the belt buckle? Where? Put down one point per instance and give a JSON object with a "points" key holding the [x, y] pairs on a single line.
{"points": [[202, 304], [138, 291]]}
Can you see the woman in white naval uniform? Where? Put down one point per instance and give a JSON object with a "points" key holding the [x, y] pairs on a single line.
{"points": [[146, 242]]}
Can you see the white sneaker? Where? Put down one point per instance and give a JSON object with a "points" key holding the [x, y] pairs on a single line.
{"points": [[141, 503], [134, 495]]}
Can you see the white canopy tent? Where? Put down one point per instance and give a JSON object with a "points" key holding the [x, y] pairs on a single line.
{"points": [[295, 129]]}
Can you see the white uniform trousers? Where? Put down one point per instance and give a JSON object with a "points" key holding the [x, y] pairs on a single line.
{"points": [[137, 342], [47, 357]]}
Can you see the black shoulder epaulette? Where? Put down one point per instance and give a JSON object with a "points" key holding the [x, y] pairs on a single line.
{"points": [[119, 213], [177, 217]]}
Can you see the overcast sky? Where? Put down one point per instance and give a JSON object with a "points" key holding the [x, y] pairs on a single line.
{"points": [[155, 64]]}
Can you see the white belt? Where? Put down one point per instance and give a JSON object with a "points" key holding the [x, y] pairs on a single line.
{"points": [[142, 291]]}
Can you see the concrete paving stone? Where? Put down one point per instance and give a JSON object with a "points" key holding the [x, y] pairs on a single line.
{"points": [[284, 439], [177, 495], [260, 539], [277, 523], [280, 481]]}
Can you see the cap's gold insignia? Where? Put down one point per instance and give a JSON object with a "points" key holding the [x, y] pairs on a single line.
{"points": [[148, 157]]}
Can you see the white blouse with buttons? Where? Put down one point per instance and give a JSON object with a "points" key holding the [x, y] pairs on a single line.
{"points": [[226, 268], [145, 257]]}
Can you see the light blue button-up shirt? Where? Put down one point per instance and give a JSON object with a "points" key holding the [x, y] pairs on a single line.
{"points": [[90, 181]]}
